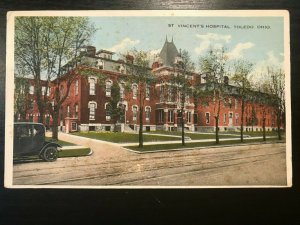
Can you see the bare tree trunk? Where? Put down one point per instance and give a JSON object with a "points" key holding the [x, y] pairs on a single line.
{"points": [[264, 128], [141, 128], [217, 130], [55, 125], [242, 121], [182, 127], [279, 125]]}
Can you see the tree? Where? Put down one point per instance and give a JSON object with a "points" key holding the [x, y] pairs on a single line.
{"points": [[275, 86], [213, 66], [140, 74], [44, 45], [242, 70], [22, 103], [181, 83]]}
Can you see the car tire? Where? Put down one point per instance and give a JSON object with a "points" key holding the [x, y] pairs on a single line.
{"points": [[50, 154]]}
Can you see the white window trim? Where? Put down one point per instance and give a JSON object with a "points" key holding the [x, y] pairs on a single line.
{"points": [[108, 93], [91, 79], [137, 88], [134, 118], [89, 104], [208, 117], [147, 107]]}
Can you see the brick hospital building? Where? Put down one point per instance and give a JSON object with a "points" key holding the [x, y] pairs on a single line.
{"points": [[87, 106]]}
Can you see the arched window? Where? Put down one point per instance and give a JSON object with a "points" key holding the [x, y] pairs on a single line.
{"points": [[108, 85], [92, 107], [134, 91], [108, 109]]}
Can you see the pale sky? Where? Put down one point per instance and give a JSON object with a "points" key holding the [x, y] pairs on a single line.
{"points": [[260, 46]]}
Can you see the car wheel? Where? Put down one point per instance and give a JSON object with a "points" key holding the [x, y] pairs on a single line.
{"points": [[50, 154]]}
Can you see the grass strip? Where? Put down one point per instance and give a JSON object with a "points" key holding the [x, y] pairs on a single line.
{"points": [[74, 152]]}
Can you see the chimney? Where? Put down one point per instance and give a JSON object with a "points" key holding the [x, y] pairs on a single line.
{"points": [[90, 51], [129, 59]]}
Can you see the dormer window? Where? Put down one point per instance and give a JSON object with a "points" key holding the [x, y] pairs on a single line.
{"points": [[100, 64]]}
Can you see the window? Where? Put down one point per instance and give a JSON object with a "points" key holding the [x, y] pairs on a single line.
{"points": [[207, 118], [236, 104], [189, 117], [121, 68], [230, 103], [162, 92], [134, 91], [170, 95], [99, 64], [171, 116], [122, 90], [92, 107], [92, 82], [31, 89], [147, 92], [195, 118], [76, 87], [187, 98], [108, 109], [236, 118], [160, 115], [108, 85], [76, 110], [43, 90], [225, 118], [134, 112], [148, 113], [68, 111]]}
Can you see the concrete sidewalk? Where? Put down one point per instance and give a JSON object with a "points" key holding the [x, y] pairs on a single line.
{"points": [[190, 141]]}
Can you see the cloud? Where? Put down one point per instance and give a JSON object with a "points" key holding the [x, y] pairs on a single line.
{"points": [[271, 61], [124, 45], [237, 51], [211, 40]]}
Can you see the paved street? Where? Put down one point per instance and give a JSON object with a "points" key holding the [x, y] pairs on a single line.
{"points": [[110, 164]]}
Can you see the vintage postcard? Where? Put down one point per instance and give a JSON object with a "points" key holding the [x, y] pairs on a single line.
{"points": [[148, 99]]}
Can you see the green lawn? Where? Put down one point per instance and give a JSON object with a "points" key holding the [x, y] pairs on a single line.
{"points": [[74, 152], [118, 137], [192, 145]]}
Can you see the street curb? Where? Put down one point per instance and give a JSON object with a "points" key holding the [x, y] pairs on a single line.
{"points": [[196, 148]]}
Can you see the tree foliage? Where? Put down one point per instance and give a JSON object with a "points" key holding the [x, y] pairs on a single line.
{"points": [[43, 45], [181, 84], [213, 67]]}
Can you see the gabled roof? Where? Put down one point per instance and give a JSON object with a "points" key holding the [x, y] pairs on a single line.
{"points": [[168, 53]]}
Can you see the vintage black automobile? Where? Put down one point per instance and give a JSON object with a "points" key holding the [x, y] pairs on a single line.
{"points": [[29, 139]]}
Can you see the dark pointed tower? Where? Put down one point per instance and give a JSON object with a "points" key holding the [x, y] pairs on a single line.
{"points": [[168, 53]]}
